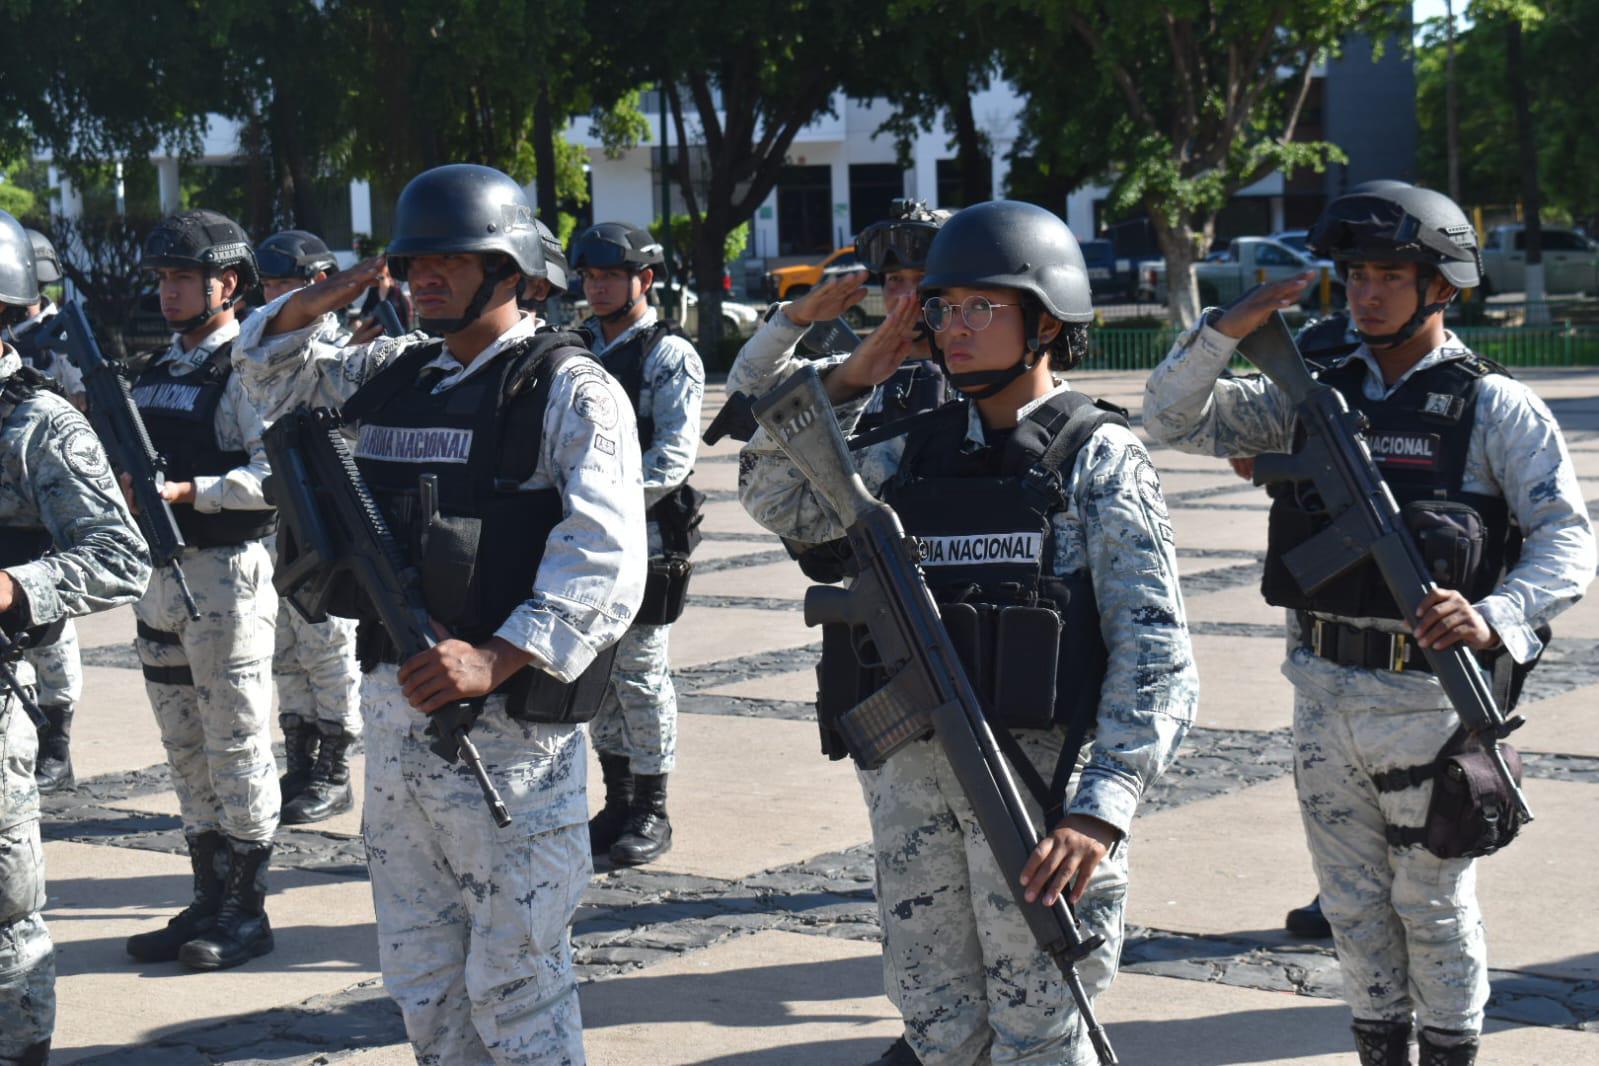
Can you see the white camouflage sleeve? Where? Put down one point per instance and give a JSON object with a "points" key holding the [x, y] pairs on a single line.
{"points": [[1189, 406], [676, 380], [768, 357], [239, 425], [1526, 456], [591, 579], [1119, 525], [777, 495], [101, 560], [289, 370]]}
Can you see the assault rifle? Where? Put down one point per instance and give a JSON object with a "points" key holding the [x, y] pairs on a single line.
{"points": [[736, 419], [928, 693], [116, 419], [1366, 524], [332, 533], [389, 319], [10, 651]]}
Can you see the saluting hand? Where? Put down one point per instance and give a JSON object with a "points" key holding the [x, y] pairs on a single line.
{"points": [[1073, 849], [879, 355], [1251, 310], [829, 299], [331, 293]]}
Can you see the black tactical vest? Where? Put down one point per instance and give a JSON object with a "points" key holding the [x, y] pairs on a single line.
{"points": [[480, 553], [917, 386], [1030, 640], [179, 410], [1418, 438], [625, 363]]}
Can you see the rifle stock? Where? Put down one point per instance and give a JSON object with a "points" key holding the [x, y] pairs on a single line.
{"points": [[928, 691], [1366, 523], [333, 530], [121, 429]]}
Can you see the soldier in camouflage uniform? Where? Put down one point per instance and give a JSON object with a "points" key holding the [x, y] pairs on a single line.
{"points": [[56, 663], [473, 920], [209, 679], [313, 664], [635, 734], [973, 985], [67, 546], [1445, 426]]}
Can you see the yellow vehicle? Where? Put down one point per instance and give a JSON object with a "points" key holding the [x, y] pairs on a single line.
{"points": [[786, 283]]}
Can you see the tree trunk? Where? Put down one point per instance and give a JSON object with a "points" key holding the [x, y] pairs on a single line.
{"points": [[974, 165], [1537, 305], [1451, 103], [1177, 244], [710, 241], [544, 155]]}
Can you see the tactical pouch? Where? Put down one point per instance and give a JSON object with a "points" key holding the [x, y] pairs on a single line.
{"points": [[1471, 813], [665, 591], [826, 564], [1026, 652], [531, 695], [1452, 538], [1507, 677], [449, 565]]}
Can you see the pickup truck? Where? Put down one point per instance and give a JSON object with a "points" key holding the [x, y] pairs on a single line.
{"points": [[1226, 276], [1570, 261]]}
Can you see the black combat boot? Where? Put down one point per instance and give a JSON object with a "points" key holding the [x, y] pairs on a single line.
{"points": [[328, 791], [241, 931], [300, 742], [648, 834], [53, 770], [899, 1053], [1308, 921], [606, 827], [1382, 1043], [209, 858], [1434, 1054]]}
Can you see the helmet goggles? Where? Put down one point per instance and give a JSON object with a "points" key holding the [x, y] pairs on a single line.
{"points": [[895, 244]]}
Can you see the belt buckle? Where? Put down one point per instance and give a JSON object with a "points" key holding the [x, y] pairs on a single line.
{"points": [[1315, 636], [1398, 653]]}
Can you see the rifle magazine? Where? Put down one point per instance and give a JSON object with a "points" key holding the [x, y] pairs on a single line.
{"points": [[887, 720]]}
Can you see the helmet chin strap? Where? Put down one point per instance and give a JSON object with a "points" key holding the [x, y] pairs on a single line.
{"points": [[993, 382], [441, 327], [1413, 324], [626, 309], [194, 322]]}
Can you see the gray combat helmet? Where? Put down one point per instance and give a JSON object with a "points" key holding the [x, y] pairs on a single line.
{"points": [[1400, 223], [46, 263], [555, 268], [1009, 244], [463, 207], [294, 253], [19, 279]]}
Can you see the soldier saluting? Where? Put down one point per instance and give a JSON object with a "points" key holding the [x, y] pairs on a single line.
{"points": [[534, 566]]}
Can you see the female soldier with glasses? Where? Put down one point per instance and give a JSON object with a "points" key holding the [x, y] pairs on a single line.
{"points": [[1046, 542]]}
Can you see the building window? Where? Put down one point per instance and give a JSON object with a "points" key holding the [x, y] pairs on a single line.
{"points": [[872, 188], [949, 184], [805, 210]]}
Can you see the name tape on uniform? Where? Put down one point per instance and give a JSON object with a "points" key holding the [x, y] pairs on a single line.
{"points": [[414, 445], [170, 396], [982, 548], [1404, 448]]}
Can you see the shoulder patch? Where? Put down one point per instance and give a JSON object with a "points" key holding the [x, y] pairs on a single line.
{"points": [[1153, 499], [593, 402], [82, 451]]}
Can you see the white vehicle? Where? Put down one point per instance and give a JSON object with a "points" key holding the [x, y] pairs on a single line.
{"points": [[738, 319], [1570, 261], [1247, 262]]}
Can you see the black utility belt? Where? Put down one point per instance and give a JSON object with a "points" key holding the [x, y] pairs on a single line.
{"points": [[1371, 649]]}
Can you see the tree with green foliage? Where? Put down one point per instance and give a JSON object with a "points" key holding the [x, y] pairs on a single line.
{"points": [[1204, 99], [749, 78]]}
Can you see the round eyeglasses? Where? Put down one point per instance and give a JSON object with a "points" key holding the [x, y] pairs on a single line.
{"points": [[976, 311]]}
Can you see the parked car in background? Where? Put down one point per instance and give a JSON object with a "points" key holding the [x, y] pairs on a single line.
{"points": [[1112, 279], [1246, 262], [738, 319], [1570, 261], [1297, 239], [785, 283]]}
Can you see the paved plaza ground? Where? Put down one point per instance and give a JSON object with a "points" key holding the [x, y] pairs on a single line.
{"points": [[755, 940]]}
